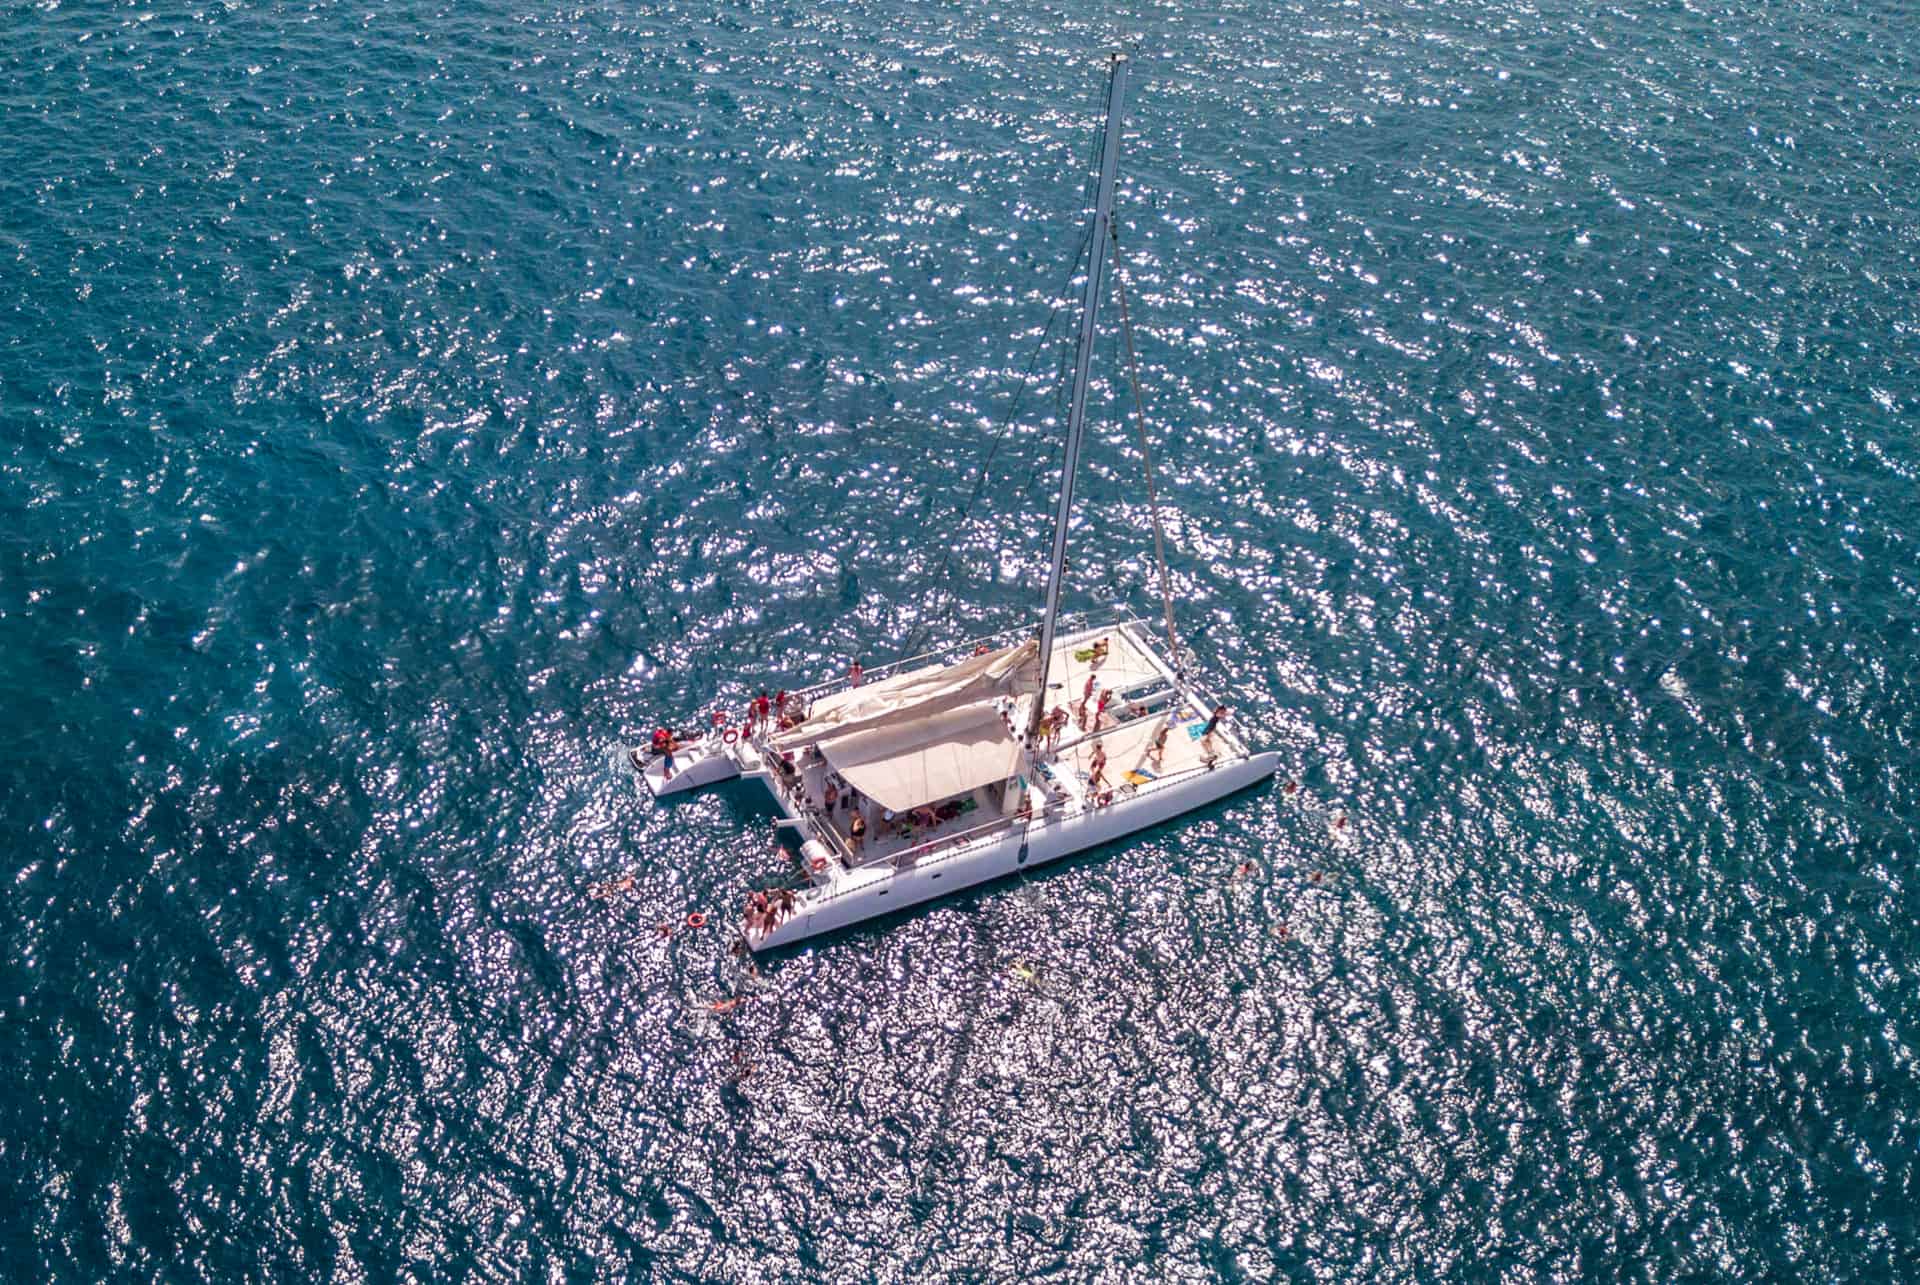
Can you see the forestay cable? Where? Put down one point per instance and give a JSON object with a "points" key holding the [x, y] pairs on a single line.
{"points": [[1146, 455]]}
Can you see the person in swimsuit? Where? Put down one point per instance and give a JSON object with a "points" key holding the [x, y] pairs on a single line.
{"points": [[1213, 725], [1158, 750], [1085, 702]]}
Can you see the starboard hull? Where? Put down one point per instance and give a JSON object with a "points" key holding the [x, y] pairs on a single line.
{"points": [[882, 890]]}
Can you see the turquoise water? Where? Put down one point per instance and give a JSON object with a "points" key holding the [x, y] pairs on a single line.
{"points": [[405, 406]]}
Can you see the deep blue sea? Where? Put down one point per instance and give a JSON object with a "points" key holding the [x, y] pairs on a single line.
{"points": [[404, 406]]}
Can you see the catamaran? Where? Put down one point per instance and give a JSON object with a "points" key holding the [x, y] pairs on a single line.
{"points": [[946, 770]]}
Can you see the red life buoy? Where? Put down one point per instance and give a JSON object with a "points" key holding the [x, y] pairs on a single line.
{"points": [[730, 736], [696, 920], [818, 864]]}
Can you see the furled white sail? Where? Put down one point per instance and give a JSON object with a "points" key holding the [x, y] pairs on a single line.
{"points": [[904, 697], [926, 735]]}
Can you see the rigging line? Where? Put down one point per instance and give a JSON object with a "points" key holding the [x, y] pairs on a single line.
{"points": [[980, 484], [1146, 456], [1085, 244]]}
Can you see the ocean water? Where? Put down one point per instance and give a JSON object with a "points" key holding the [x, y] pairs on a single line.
{"points": [[403, 406]]}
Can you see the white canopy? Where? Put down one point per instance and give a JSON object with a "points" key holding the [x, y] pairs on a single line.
{"points": [[924, 735], [928, 759]]}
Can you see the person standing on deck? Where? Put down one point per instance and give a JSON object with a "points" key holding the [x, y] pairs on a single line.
{"points": [[1158, 750], [857, 831], [1213, 725], [1097, 769], [855, 673]]}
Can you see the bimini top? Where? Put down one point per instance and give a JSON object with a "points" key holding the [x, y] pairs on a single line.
{"points": [[926, 735]]}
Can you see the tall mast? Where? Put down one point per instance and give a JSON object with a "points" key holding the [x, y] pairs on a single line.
{"points": [[1082, 362]]}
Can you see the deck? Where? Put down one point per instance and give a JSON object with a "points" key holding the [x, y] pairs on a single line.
{"points": [[1131, 665]]}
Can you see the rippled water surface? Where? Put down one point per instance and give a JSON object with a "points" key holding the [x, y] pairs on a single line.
{"points": [[404, 406]]}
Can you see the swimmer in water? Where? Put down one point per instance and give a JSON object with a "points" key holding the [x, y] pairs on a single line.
{"points": [[1246, 868], [613, 887]]}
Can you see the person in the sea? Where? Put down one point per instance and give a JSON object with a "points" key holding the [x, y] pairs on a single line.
{"points": [[613, 887]]}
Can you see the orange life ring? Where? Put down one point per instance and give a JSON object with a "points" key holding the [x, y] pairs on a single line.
{"points": [[696, 920], [818, 864], [730, 736]]}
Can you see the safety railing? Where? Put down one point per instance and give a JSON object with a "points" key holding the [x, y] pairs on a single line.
{"points": [[948, 847], [810, 819], [959, 838]]}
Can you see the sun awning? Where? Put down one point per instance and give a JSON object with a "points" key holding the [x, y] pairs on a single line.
{"points": [[904, 764]]}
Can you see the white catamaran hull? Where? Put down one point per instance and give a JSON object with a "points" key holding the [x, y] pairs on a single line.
{"points": [[873, 891], [705, 763]]}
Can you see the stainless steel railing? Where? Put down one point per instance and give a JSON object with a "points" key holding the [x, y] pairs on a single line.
{"points": [[965, 839]]}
